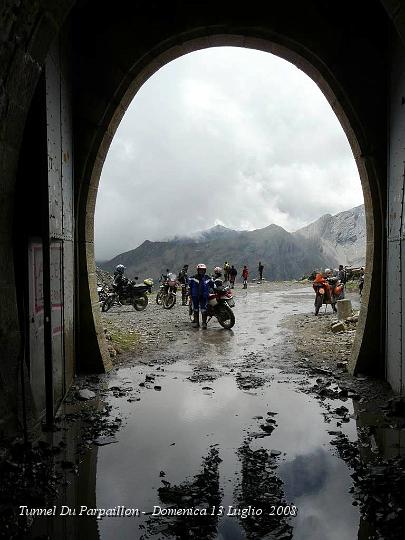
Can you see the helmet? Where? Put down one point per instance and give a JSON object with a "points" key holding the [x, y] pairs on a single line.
{"points": [[327, 270], [120, 268], [217, 270], [201, 266]]}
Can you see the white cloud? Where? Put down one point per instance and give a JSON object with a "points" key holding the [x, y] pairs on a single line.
{"points": [[225, 135]]}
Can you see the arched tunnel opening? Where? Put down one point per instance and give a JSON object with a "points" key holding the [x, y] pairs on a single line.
{"points": [[147, 194], [69, 74]]}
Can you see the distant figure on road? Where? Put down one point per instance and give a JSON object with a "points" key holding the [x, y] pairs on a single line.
{"points": [[226, 271], [261, 268], [165, 277], [183, 280], [245, 275], [361, 282], [232, 276], [342, 274]]}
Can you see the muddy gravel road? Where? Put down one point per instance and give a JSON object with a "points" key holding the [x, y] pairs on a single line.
{"points": [[249, 433]]}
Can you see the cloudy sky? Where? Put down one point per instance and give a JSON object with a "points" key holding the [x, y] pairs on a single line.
{"points": [[223, 136]]}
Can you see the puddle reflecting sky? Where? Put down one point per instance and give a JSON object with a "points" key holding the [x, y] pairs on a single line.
{"points": [[315, 481]]}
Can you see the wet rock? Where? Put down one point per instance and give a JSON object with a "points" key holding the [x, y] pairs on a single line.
{"points": [[269, 428], [157, 388], [85, 394]]}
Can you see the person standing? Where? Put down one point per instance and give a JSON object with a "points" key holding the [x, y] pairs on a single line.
{"points": [[342, 274], [245, 275], [226, 271], [232, 276], [183, 280], [361, 282], [200, 285], [261, 268]]}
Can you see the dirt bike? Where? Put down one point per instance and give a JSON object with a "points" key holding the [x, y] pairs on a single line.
{"points": [[102, 293], [328, 294], [132, 294], [220, 304], [166, 295], [169, 297]]}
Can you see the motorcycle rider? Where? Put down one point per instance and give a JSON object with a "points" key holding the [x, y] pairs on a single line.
{"points": [[120, 281], [217, 277], [183, 280], [322, 278], [199, 285]]}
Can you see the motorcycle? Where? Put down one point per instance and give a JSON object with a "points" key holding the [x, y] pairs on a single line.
{"points": [[169, 294], [328, 295], [220, 304], [102, 293], [133, 294]]}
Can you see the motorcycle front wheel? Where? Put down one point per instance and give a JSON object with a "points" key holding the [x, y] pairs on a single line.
{"points": [[159, 297], [169, 301], [140, 302], [225, 316], [107, 304], [318, 303]]}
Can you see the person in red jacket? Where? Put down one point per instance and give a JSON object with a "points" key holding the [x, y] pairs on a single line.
{"points": [[245, 275]]}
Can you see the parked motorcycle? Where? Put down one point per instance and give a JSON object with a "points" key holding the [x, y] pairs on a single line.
{"points": [[133, 294], [102, 293], [169, 296], [220, 304], [328, 295]]}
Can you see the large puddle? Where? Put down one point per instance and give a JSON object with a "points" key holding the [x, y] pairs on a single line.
{"points": [[181, 427]]}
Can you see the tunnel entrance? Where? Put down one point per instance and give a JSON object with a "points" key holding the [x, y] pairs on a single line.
{"points": [[310, 70], [193, 150], [102, 67]]}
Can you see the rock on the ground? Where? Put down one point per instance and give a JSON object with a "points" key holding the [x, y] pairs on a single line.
{"points": [[85, 394]]}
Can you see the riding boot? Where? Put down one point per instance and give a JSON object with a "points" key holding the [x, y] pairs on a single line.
{"points": [[196, 322], [204, 321]]}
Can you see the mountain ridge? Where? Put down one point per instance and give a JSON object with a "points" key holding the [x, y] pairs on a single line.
{"points": [[328, 241]]}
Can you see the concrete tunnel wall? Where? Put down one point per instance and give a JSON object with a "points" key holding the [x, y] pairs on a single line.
{"points": [[343, 47]]}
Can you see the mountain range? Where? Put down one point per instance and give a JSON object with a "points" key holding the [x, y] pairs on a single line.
{"points": [[328, 241]]}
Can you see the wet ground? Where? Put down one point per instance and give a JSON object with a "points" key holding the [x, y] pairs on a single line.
{"points": [[228, 434]]}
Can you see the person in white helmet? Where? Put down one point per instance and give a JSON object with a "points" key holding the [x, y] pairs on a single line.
{"points": [[217, 276], [120, 281], [200, 285]]}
